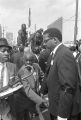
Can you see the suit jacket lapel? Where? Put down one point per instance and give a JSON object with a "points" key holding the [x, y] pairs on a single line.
{"points": [[54, 55], [58, 49]]}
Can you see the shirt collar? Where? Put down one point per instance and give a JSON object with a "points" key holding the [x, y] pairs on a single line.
{"points": [[55, 49]]}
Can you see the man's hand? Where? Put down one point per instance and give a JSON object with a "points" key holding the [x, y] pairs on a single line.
{"points": [[46, 102]]}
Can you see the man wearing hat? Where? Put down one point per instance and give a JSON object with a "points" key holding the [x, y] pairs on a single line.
{"points": [[4, 50], [7, 72], [18, 101]]}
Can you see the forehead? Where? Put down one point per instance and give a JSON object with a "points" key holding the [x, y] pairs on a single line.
{"points": [[45, 36]]}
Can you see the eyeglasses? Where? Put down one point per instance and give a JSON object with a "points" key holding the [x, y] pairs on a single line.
{"points": [[4, 50], [46, 40]]}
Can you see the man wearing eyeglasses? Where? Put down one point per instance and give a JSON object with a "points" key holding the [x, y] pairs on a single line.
{"points": [[62, 79]]}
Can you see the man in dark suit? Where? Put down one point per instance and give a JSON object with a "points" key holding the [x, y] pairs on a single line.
{"points": [[62, 79]]}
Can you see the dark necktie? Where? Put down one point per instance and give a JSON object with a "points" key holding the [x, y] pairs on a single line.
{"points": [[49, 63]]}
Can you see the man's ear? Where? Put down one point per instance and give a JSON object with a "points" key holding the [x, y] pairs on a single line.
{"points": [[56, 39]]}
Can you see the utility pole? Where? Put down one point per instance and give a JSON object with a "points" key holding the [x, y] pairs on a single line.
{"points": [[35, 27], [3, 32], [76, 19], [29, 23]]}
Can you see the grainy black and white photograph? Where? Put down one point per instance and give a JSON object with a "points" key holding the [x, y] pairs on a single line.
{"points": [[40, 59]]}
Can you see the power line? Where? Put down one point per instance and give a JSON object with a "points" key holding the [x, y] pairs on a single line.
{"points": [[71, 20], [66, 20]]}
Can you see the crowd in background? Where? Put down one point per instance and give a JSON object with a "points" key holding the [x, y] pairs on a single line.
{"points": [[53, 73]]}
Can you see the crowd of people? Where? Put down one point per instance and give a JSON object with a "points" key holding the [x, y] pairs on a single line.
{"points": [[41, 65]]}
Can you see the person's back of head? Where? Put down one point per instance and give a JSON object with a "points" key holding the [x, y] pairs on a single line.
{"points": [[21, 48], [72, 48], [79, 42], [23, 26], [79, 45], [27, 50]]}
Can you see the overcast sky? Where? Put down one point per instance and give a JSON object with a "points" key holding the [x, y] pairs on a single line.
{"points": [[43, 12]]}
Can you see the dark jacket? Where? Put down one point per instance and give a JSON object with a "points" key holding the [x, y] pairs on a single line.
{"points": [[17, 58], [62, 83], [43, 57]]}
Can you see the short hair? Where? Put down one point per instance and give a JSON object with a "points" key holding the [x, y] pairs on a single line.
{"points": [[53, 32], [23, 26], [79, 42], [31, 57], [21, 48]]}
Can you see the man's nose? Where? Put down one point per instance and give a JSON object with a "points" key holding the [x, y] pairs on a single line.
{"points": [[6, 52]]}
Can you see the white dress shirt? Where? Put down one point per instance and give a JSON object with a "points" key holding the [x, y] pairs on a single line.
{"points": [[5, 74], [5, 77], [54, 51]]}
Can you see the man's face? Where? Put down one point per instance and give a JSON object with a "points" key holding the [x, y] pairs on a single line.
{"points": [[27, 59], [4, 54], [49, 43]]}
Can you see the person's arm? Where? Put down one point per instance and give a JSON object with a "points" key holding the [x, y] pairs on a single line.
{"points": [[29, 92]]}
